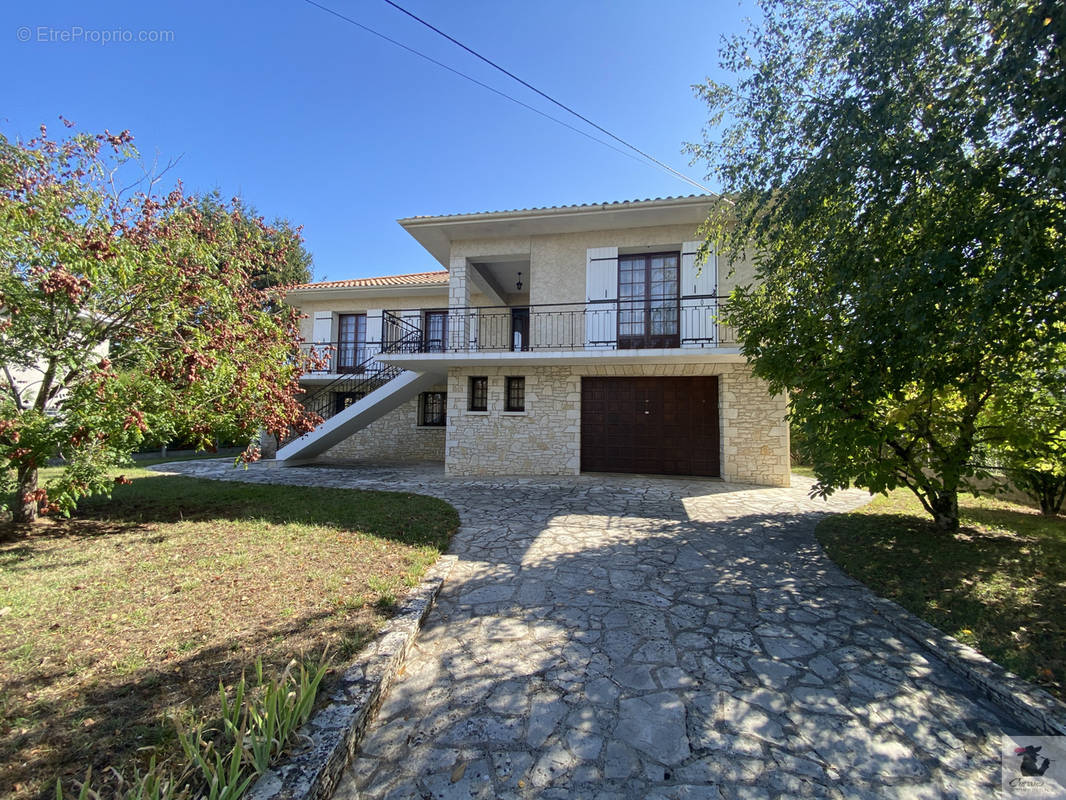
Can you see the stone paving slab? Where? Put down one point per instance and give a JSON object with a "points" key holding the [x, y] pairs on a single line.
{"points": [[636, 637]]}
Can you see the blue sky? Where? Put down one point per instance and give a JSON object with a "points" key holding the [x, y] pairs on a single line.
{"points": [[314, 120]]}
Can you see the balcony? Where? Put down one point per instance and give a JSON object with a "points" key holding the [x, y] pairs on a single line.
{"points": [[694, 323], [340, 358], [527, 333]]}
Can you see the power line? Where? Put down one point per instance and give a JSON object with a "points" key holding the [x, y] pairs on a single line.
{"points": [[470, 78], [548, 97], [506, 96]]}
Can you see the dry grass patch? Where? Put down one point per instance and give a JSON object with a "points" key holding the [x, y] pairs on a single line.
{"points": [[135, 609]]}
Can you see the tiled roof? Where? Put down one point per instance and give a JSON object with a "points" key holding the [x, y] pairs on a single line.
{"points": [[414, 279], [608, 204]]}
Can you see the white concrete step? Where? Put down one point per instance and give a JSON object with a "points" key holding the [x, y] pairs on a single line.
{"points": [[359, 414]]}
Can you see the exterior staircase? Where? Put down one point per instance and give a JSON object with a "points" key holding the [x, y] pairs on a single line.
{"points": [[374, 389]]}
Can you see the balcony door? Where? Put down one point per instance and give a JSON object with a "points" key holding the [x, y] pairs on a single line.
{"points": [[519, 328], [351, 342], [435, 332], [649, 301]]}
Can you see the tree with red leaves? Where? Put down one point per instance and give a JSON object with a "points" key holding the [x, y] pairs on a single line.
{"points": [[135, 315]]}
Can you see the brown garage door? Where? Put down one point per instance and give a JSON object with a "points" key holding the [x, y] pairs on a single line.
{"points": [[666, 426]]}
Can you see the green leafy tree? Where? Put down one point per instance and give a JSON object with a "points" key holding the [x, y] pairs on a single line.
{"points": [[290, 264], [895, 169], [133, 316], [1025, 424]]}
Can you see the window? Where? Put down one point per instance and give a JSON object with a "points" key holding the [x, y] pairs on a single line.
{"points": [[435, 339], [648, 300], [341, 400], [479, 393], [433, 406], [351, 342], [516, 394]]}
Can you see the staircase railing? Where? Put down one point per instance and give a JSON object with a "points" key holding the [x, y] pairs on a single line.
{"points": [[399, 335], [370, 374]]}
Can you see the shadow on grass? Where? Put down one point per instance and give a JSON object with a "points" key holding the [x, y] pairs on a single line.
{"points": [[64, 707], [998, 584], [121, 719], [157, 499]]}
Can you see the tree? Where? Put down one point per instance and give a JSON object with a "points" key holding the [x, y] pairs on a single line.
{"points": [[194, 349], [292, 263], [1026, 425], [894, 166]]}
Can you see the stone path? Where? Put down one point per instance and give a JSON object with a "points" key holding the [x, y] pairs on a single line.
{"points": [[631, 637]]}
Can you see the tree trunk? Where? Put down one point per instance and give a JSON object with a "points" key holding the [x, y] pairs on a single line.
{"points": [[1045, 488], [25, 503], [945, 506]]}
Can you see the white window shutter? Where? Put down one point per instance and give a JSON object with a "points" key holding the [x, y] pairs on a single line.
{"points": [[474, 331], [322, 327], [374, 332], [601, 292], [699, 308]]}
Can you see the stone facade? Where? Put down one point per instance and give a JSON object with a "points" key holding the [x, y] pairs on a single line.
{"points": [[396, 437], [545, 439], [542, 440]]}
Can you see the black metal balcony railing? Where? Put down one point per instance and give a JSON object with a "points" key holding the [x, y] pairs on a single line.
{"points": [[693, 322], [341, 358]]}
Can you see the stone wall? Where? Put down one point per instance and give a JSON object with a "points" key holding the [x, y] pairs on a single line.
{"points": [[396, 437], [545, 439], [542, 440]]}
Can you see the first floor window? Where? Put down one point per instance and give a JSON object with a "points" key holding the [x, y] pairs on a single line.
{"points": [[516, 394], [433, 409], [351, 342], [648, 300], [479, 393]]}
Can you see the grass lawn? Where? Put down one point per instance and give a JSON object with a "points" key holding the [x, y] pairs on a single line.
{"points": [[133, 610], [998, 584]]}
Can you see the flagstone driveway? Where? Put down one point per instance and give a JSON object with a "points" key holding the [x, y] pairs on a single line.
{"points": [[636, 637]]}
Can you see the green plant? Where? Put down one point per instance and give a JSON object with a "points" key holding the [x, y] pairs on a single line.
{"points": [[889, 167], [138, 315], [385, 591], [153, 784], [224, 758], [254, 728]]}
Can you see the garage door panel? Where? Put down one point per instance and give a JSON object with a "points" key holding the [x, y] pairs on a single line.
{"points": [[666, 425]]}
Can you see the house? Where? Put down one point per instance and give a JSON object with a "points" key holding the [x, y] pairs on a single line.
{"points": [[553, 341], [21, 382]]}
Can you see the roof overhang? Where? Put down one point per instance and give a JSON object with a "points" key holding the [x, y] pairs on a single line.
{"points": [[436, 234], [297, 296]]}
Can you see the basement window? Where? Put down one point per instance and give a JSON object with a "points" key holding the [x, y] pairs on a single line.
{"points": [[432, 407], [341, 400], [478, 393], [516, 394]]}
